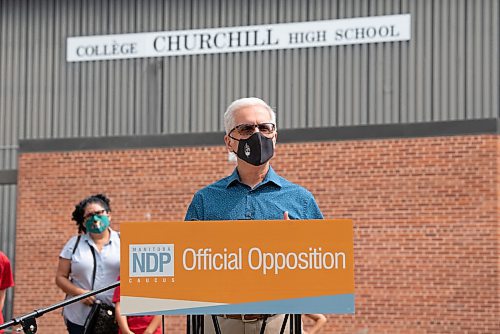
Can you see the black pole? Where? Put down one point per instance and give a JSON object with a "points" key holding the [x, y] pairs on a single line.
{"points": [[298, 324], [216, 324], [283, 326], [28, 321]]}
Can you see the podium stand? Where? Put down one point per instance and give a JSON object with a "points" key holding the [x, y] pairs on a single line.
{"points": [[237, 267], [196, 323]]}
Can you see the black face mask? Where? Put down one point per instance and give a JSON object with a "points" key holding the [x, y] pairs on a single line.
{"points": [[256, 150]]}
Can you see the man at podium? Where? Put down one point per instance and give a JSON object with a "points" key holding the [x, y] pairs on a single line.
{"points": [[254, 191]]}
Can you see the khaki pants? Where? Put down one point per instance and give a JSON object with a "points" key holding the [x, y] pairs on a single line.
{"points": [[236, 326]]}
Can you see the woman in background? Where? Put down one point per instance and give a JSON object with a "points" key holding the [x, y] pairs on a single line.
{"points": [[75, 272]]}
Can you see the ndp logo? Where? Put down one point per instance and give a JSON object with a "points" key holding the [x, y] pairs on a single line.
{"points": [[151, 260]]}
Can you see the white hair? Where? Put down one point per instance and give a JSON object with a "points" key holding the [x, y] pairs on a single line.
{"points": [[243, 103]]}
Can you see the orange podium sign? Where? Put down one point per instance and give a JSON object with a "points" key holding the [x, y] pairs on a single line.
{"points": [[247, 266]]}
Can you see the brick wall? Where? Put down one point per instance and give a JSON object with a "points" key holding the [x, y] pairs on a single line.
{"points": [[425, 212]]}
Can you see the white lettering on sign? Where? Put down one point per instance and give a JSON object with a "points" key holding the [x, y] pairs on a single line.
{"points": [[206, 259], [373, 29]]}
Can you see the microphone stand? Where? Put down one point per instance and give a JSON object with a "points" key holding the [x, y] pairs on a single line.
{"points": [[28, 321]]}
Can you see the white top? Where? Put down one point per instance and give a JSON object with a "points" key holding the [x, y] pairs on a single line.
{"points": [[82, 266]]}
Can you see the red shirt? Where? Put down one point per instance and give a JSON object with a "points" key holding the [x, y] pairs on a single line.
{"points": [[6, 279], [137, 324]]}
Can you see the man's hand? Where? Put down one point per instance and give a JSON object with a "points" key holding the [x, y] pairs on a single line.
{"points": [[285, 216]]}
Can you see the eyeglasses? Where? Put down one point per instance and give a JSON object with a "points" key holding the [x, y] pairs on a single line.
{"points": [[91, 214], [246, 130]]}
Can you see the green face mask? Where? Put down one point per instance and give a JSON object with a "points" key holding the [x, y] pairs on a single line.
{"points": [[97, 224]]}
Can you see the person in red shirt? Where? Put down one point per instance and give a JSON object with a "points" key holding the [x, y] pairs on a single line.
{"points": [[6, 281], [144, 324]]}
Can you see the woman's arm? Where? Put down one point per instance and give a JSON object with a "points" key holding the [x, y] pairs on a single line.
{"points": [[319, 321], [63, 282], [121, 320], [2, 299], [153, 325]]}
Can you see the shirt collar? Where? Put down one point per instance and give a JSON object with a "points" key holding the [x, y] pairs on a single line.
{"points": [[113, 237], [271, 176]]}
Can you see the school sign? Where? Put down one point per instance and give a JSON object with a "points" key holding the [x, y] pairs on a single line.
{"points": [[374, 29]]}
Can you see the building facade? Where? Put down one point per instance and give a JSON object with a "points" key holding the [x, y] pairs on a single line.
{"points": [[400, 136]]}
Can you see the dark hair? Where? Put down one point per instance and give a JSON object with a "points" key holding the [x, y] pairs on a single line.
{"points": [[77, 215]]}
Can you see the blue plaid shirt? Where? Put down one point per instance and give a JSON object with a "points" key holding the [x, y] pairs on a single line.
{"points": [[229, 199]]}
